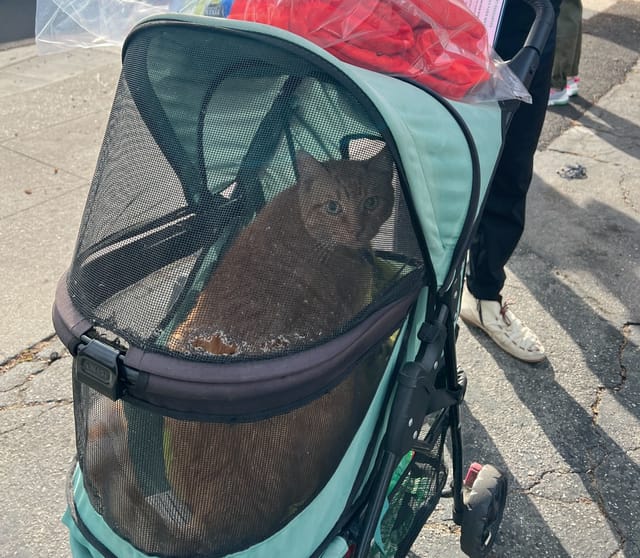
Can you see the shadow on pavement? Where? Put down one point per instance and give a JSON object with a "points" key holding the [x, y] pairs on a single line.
{"points": [[600, 251], [619, 25], [597, 245], [610, 46], [605, 124]]}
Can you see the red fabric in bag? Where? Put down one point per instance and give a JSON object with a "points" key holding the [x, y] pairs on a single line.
{"points": [[437, 43]]}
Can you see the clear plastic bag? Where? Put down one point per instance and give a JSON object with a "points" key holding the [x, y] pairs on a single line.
{"points": [[437, 43], [63, 24]]}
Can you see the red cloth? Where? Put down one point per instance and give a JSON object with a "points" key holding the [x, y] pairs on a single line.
{"points": [[437, 43]]}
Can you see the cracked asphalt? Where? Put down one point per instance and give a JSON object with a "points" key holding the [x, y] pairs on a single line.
{"points": [[566, 432]]}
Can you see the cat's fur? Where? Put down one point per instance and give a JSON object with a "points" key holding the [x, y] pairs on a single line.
{"points": [[301, 269], [297, 273]]}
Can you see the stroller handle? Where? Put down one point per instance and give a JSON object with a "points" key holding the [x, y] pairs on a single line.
{"points": [[525, 63]]}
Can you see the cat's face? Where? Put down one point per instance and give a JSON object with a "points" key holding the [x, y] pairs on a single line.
{"points": [[345, 202]]}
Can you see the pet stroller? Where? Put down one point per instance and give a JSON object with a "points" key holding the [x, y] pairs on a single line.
{"points": [[319, 432]]}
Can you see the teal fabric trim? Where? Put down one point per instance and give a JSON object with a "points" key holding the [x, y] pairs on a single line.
{"points": [[433, 151], [337, 549], [80, 547]]}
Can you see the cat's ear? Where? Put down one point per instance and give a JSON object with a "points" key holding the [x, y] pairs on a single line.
{"points": [[309, 168], [382, 163]]}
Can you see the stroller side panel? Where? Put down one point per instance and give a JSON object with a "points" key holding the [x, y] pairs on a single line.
{"points": [[307, 531]]}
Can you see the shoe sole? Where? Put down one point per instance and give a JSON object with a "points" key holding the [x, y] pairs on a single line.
{"points": [[558, 103]]}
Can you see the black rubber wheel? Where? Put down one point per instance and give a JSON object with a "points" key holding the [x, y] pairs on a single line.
{"points": [[484, 506]]}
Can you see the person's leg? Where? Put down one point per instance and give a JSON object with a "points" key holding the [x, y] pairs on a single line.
{"points": [[502, 221], [568, 43], [574, 67]]}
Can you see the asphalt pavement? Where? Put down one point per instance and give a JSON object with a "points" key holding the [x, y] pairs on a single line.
{"points": [[566, 432]]}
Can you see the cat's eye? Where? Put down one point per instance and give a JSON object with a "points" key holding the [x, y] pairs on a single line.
{"points": [[370, 203], [333, 207]]}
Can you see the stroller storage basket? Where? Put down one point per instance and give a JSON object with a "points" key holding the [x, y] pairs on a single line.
{"points": [[413, 493], [265, 241]]}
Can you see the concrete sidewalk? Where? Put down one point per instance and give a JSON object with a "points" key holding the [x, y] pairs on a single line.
{"points": [[52, 115], [566, 432]]}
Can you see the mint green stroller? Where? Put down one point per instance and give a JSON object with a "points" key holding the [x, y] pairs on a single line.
{"points": [[293, 441]]}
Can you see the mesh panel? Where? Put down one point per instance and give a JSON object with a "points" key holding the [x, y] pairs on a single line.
{"points": [[187, 488], [244, 202], [415, 490]]}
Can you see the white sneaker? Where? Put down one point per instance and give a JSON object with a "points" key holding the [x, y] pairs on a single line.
{"points": [[558, 97], [501, 324], [573, 85]]}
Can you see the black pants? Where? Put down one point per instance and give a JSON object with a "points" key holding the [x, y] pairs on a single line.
{"points": [[502, 222]]}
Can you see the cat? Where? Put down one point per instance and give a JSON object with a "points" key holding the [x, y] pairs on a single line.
{"points": [[297, 274], [302, 268], [231, 486], [300, 271]]}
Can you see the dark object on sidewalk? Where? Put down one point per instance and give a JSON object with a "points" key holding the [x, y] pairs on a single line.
{"points": [[573, 172], [17, 20]]}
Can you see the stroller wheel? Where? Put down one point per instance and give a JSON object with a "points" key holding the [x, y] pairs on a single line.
{"points": [[484, 500]]}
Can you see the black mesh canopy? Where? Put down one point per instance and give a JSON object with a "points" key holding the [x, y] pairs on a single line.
{"points": [[245, 202]]}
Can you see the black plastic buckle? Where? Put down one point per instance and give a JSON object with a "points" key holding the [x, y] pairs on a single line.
{"points": [[98, 366]]}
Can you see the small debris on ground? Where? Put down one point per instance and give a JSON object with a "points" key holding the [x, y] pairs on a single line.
{"points": [[572, 172]]}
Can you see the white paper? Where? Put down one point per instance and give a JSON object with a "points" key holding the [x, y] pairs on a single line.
{"points": [[489, 12]]}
